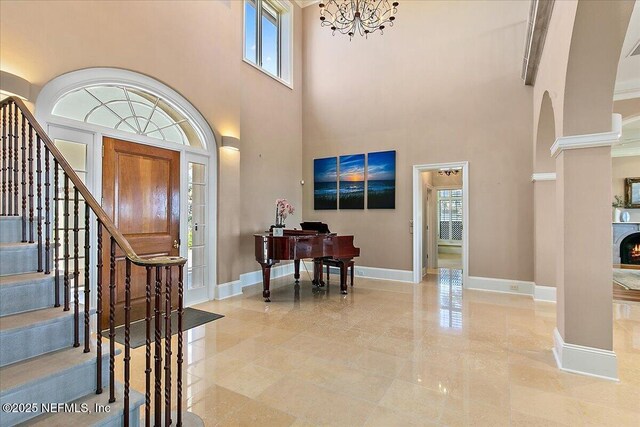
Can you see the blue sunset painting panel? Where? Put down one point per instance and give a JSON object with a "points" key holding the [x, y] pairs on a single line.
{"points": [[381, 177], [325, 183], [352, 181]]}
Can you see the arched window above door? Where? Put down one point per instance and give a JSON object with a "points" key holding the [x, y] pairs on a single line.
{"points": [[129, 109]]}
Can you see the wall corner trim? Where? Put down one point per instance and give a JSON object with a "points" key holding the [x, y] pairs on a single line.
{"points": [[544, 293], [543, 176], [594, 362], [234, 288], [589, 140]]}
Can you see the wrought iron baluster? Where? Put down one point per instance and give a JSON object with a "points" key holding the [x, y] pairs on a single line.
{"points": [[10, 141], [4, 158], [87, 255], [39, 218], [47, 217], [99, 313], [157, 354], [30, 160], [147, 371], [167, 348], [56, 231], [127, 337], [16, 161], [112, 321], [180, 360], [23, 148], [76, 268], [66, 242]]}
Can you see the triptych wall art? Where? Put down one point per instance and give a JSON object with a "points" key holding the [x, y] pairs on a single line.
{"points": [[348, 192]]}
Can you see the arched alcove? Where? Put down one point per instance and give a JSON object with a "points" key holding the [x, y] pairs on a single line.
{"points": [[545, 137]]}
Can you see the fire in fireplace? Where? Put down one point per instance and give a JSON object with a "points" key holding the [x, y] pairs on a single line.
{"points": [[630, 249]]}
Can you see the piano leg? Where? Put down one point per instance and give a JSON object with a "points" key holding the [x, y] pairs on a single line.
{"points": [[266, 277], [343, 276], [296, 274], [317, 272]]}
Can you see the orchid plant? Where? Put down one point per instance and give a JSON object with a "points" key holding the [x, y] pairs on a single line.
{"points": [[283, 209]]}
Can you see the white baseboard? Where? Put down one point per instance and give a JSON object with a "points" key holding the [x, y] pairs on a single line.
{"points": [[500, 285], [544, 293], [232, 289], [373, 273], [583, 360], [508, 286]]}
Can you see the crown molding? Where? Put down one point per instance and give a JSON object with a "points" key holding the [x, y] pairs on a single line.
{"points": [[543, 176], [627, 90], [305, 3], [591, 140]]}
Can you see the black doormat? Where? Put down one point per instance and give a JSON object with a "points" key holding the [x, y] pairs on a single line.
{"points": [[192, 318]]}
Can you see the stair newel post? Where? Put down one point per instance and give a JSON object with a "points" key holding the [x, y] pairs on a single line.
{"points": [[180, 315], [56, 231], [167, 348], [157, 354], [66, 242], [87, 256], [99, 313], [30, 159], [47, 215], [9, 139], [112, 321], [39, 218], [127, 337], [147, 370], [4, 159], [16, 161], [76, 268], [23, 183]]}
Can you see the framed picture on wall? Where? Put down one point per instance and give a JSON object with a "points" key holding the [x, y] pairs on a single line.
{"points": [[381, 180], [352, 181], [632, 192], [325, 183]]}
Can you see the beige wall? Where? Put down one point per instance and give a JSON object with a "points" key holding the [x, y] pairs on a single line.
{"points": [[442, 85], [623, 167], [545, 233], [197, 50]]}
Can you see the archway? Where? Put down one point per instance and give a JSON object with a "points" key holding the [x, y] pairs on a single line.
{"points": [[584, 343], [544, 193], [82, 108]]}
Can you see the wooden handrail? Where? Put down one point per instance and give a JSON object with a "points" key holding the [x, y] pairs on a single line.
{"points": [[108, 224]]}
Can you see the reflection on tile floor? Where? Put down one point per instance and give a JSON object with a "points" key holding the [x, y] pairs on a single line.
{"points": [[393, 353]]}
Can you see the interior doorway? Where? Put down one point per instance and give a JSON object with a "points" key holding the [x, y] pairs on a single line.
{"points": [[440, 218]]}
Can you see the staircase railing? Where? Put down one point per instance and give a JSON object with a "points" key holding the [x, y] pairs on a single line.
{"points": [[21, 133]]}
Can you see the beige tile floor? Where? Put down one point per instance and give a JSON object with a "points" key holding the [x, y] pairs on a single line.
{"points": [[396, 354]]}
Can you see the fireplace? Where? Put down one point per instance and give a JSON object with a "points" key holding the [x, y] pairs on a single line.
{"points": [[630, 249]]}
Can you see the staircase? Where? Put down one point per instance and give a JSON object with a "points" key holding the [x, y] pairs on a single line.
{"points": [[38, 364], [55, 368]]}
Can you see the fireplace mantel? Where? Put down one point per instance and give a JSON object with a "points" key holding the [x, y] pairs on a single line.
{"points": [[620, 231]]}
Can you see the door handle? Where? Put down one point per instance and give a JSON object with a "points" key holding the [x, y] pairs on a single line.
{"points": [[176, 244]]}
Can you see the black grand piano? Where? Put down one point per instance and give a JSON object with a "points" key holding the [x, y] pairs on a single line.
{"points": [[316, 243]]}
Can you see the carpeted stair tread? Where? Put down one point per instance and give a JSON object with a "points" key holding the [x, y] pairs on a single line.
{"points": [[35, 317], [113, 417], [48, 364], [24, 278]]}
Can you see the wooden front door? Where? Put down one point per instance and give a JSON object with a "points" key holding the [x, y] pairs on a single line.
{"points": [[141, 193]]}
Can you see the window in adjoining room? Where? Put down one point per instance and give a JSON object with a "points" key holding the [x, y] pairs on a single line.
{"points": [[267, 36], [450, 215]]}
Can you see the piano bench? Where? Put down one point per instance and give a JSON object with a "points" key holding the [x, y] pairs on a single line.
{"points": [[334, 263]]}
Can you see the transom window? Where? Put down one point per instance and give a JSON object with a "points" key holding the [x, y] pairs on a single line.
{"points": [[267, 29], [128, 109]]}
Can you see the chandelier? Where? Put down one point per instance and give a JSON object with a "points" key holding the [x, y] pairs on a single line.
{"points": [[449, 172], [357, 16]]}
